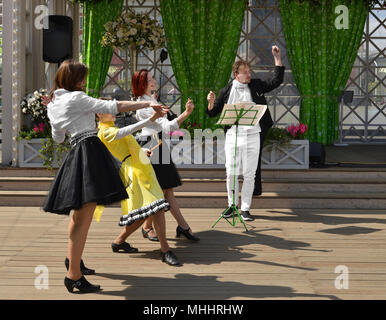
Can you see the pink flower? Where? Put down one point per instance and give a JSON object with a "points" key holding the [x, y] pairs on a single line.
{"points": [[36, 129], [303, 128], [176, 133], [298, 130], [292, 130]]}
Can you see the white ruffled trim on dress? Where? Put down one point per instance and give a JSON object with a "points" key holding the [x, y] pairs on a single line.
{"points": [[144, 212]]}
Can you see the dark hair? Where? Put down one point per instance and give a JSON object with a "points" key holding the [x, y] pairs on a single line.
{"points": [[139, 82], [68, 76]]}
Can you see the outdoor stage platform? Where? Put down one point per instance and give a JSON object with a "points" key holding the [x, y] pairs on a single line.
{"points": [[286, 254]]}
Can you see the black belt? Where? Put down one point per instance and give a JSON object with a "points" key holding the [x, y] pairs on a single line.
{"points": [[126, 157], [81, 136]]}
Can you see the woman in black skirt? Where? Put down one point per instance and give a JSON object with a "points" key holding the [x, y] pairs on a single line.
{"points": [[89, 174], [143, 84]]}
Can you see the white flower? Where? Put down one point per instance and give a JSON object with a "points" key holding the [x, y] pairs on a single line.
{"points": [[120, 34]]}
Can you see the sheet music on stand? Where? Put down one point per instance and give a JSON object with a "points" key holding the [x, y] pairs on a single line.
{"points": [[246, 113]]}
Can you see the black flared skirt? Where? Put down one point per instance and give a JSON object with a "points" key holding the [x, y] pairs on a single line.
{"points": [[88, 174], [165, 170]]}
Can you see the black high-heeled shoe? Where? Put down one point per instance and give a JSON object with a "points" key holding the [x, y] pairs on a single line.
{"points": [[146, 235], [82, 285], [85, 271], [186, 233]]}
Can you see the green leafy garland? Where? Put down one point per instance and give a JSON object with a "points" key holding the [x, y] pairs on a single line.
{"points": [[51, 151]]}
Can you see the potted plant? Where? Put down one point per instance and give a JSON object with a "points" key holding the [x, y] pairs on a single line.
{"points": [[286, 148], [36, 146]]}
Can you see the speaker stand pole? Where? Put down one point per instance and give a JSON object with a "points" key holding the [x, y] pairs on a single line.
{"points": [[340, 141]]}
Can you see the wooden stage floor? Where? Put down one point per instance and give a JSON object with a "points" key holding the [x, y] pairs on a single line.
{"points": [[287, 254]]}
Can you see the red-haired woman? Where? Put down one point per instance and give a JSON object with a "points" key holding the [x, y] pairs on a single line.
{"points": [[143, 84], [88, 175]]}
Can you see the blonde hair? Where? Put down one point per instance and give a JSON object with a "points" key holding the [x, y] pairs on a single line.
{"points": [[238, 64]]}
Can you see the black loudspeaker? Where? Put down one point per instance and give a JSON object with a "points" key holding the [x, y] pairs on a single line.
{"points": [[57, 39], [317, 153]]}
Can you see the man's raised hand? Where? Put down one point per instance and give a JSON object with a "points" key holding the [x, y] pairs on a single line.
{"points": [[276, 51], [211, 97]]}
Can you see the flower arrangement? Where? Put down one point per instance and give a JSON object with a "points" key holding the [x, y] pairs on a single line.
{"points": [[297, 131], [133, 29], [190, 126], [281, 137], [277, 137], [33, 105], [39, 131]]}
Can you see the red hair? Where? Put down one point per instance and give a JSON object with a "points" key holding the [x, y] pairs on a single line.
{"points": [[139, 82]]}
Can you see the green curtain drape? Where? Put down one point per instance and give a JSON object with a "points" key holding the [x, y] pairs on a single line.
{"points": [[96, 57], [202, 39], [321, 58]]}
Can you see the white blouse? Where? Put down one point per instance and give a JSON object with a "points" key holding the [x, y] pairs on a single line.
{"points": [[159, 125], [130, 129], [240, 92], [74, 112]]}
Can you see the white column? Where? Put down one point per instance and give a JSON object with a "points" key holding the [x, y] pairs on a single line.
{"points": [[35, 78], [13, 77], [76, 28]]}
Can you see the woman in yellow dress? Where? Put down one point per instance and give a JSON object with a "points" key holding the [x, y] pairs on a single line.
{"points": [[145, 194]]}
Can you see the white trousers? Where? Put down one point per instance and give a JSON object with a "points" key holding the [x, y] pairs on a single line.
{"points": [[247, 159]]}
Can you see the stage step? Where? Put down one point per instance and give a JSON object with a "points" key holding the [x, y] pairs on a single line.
{"points": [[344, 174], [208, 185], [313, 189], [268, 200]]}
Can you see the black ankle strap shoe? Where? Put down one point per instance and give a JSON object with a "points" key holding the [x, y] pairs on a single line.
{"points": [[82, 285], [85, 271], [146, 235]]}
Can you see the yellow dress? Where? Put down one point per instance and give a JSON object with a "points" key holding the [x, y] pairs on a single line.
{"points": [[145, 194]]}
